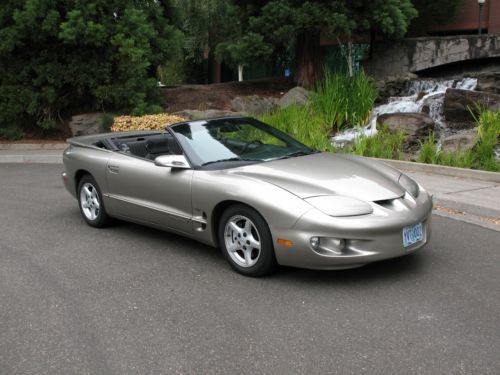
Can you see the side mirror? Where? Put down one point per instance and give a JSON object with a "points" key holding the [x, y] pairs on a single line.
{"points": [[172, 161]]}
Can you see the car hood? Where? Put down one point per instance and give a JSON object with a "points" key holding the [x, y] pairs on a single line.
{"points": [[328, 174]]}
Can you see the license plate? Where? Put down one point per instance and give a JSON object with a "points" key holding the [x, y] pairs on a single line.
{"points": [[412, 235]]}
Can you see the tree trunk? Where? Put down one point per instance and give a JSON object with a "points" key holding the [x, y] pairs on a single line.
{"points": [[240, 72], [307, 59]]}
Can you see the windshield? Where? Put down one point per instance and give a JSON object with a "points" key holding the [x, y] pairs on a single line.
{"points": [[235, 140]]}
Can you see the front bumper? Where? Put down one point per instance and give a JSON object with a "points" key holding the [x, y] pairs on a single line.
{"points": [[368, 238]]}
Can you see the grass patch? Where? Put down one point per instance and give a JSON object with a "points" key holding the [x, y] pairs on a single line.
{"points": [[385, 144]]}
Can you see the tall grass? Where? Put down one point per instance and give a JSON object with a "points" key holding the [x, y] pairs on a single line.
{"points": [[301, 123], [342, 101], [482, 156], [384, 144]]}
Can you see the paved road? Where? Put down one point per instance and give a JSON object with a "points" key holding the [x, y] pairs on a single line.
{"points": [[133, 300]]}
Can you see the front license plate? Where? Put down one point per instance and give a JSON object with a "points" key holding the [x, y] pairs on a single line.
{"points": [[412, 235]]}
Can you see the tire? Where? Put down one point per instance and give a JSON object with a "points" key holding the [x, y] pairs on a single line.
{"points": [[91, 203], [246, 241]]}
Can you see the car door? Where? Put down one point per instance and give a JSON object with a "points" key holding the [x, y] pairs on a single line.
{"points": [[141, 191]]}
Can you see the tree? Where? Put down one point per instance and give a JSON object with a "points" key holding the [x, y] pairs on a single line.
{"points": [[205, 24], [301, 23], [431, 13], [242, 50], [58, 55]]}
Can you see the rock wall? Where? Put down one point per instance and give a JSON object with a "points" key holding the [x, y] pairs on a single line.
{"points": [[417, 54]]}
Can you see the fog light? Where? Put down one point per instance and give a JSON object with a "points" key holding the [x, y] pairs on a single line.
{"points": [[314, 242], [338, 244]]}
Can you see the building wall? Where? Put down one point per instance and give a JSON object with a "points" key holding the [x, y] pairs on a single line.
{"points": [[467, 18]]}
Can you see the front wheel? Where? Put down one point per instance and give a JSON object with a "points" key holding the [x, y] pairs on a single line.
{"points": [[246, 241], [91, 204]]}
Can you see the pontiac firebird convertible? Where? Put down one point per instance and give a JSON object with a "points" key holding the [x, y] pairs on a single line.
{"points": [[262, 197]]}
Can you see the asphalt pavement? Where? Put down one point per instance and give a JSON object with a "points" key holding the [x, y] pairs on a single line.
{"points": [[134, 300]]}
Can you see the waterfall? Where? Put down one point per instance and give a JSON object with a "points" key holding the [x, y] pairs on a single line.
{"points": [[420, 94]]}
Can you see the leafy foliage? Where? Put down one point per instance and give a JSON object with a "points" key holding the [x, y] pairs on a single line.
{"points": [[55, 54], [287, 23]]}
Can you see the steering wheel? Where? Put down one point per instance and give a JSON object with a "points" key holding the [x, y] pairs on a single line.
{"points": [[255, 142]]}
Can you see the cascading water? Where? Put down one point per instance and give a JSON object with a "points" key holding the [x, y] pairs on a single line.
{"points": [[419, 95]]}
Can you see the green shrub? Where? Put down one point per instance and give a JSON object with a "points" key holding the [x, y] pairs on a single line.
{"points": [[342, 101], [63, 56], [11, 133], [105, 122]]}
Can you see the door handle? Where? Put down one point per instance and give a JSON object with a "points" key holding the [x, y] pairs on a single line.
{"points": [[113, 168]]}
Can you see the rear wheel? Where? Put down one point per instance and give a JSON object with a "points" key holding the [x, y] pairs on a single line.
{"points": [[91, 204], [246, 241]]}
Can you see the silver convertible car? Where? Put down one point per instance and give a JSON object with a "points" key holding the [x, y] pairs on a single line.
{"points": [[259, 195]]}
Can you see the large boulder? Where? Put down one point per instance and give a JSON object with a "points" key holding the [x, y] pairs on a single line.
{"points": [[463, 140], [415, 126], [458, 104], [194, 114], [85, 124], [489, 82], [253, 104], [298, 95]]}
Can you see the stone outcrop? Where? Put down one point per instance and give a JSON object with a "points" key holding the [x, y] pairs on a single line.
{"points": [[194, 114], [489, 82], [417, 54], [85, 124], [415, 126], [298, 95], [463, 140], [458, 104], [253, 104]]}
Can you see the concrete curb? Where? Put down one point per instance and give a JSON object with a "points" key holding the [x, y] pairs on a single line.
{"points": [[33, 146], [466, 207], [33, 159], [443, 170]]}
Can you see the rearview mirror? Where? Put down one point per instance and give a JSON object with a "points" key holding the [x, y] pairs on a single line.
{"points": [[172, 161]]}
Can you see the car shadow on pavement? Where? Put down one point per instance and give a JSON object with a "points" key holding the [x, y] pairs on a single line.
{"points": [[391, 270]]}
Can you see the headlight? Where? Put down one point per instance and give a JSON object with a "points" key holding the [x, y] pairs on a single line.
{"points": [[340, 206], [409, 185]]}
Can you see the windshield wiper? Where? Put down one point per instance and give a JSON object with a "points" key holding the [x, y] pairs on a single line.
{"points": [[224, 160], [298, 153]]}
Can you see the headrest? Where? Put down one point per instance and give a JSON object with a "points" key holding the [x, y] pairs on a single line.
{"points": [[157, 146]]}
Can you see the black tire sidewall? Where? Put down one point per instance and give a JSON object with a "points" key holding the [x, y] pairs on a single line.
{"points": [[102, 218], [266, 263]]}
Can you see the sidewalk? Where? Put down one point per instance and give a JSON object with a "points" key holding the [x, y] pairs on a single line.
{"points": [[457, 190]]}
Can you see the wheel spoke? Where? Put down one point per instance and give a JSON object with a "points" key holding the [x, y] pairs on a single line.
{"points": [[233, 247], [96, 202], [248, 256], [254, 244], [248, 227], [87, 191], [235, 227]]}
